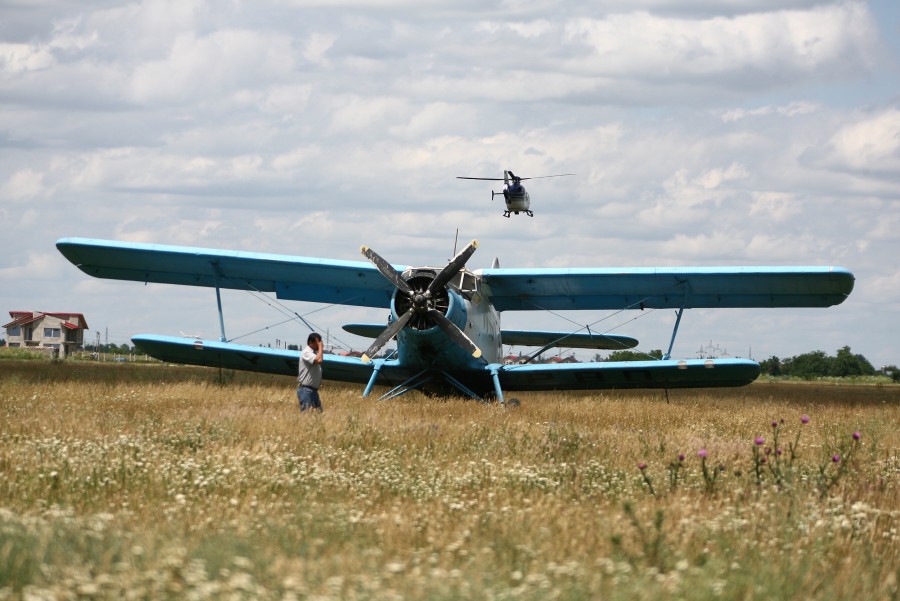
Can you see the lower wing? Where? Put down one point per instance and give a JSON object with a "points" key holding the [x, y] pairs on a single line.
{"points": [[212, 353], [693, 373]]}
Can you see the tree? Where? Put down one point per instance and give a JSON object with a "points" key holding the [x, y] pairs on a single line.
{"points": [[771, 366], [817, 364], [846, 364], [807, 366], [635, 355]]}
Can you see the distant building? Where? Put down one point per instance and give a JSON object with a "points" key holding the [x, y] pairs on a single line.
{"points": [[63, 333]]}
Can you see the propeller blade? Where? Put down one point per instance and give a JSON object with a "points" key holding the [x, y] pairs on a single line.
{"points": [[385, 337], [455, 334], [386, 270], [452, 268]]}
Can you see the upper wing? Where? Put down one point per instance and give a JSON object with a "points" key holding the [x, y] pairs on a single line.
{"points": [[292, 278], [666, 287], [692, 373]]}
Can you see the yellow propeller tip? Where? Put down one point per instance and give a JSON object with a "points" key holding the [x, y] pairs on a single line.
{"points": [[474, 243], [363, 249], [366, 359], [477, 353]]}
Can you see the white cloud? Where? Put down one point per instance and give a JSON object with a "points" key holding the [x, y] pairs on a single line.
{"points": [[781, 44], [870, 144], [19, 58], [23, 185]]}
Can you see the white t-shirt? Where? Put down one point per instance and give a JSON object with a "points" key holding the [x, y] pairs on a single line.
{"points": [[310, 373]]}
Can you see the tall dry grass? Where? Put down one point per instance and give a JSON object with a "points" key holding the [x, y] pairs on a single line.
{"points": [[160, 482]]}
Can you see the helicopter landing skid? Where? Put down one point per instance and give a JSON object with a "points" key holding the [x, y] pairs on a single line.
{"points": [[506, 213]]}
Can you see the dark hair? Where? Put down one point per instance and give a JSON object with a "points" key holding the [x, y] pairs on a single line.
{"points": [[313, 337]]}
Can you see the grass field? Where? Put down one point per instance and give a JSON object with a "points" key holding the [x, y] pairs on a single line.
{"points": [[149, 482]]}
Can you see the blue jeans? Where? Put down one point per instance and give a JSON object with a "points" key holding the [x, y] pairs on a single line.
{"points": [[309, 398]]}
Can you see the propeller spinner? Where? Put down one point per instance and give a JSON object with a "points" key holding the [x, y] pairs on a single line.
{"points": [[422, 302]]}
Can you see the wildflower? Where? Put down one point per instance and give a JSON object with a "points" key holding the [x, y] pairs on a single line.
{"points": [[680, 456], [778, 451], [804, 419], [774, 424], [702, 453], [642, 466], [759, 441], [857, 436], [836, 459]]}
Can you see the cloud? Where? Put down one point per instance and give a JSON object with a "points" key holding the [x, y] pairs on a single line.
{"points": [[23, 185], [869, 145]]}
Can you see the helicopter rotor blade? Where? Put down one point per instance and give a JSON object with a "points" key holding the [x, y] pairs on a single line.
{"points": [[484, 179], [452, 268], [386, 270], [386, 336], [546, 176]]}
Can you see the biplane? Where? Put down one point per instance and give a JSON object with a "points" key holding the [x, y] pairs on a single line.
{"points": [[446, 320]]}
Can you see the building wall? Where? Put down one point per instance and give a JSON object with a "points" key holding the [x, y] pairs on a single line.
{"points": [[47, 332]]}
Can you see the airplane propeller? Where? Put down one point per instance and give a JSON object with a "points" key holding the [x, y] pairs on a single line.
{"points": [[421, 301]]}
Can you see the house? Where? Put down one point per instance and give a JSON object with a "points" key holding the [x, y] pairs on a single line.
{"points": [[62, 333]]}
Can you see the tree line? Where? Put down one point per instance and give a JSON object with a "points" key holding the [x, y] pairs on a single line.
{"points": [[843, 364], [817, 364]]}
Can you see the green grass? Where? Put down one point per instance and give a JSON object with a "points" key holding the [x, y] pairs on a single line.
{"points": [[154, 481]]}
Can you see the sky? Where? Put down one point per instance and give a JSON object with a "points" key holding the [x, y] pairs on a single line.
{"points": [[700, 132]]}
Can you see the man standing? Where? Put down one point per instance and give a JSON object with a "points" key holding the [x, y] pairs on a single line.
{"points": [[310, 376]]}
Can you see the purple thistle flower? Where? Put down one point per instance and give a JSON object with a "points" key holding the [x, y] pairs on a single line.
{"points": [[836, 459], [774, 424], [857, 436], [778, 451], [642, 466], [680, 456], [804, 419], [768, 450], [702, 453], [759, 440], [762, 459]]}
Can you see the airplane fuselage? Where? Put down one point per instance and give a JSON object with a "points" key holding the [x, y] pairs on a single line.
{"points": [[470, 309]]}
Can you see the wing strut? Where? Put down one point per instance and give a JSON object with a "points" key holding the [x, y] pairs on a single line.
{"points": [[687, 290], [495, 376], [379, 363], [222, 338]]}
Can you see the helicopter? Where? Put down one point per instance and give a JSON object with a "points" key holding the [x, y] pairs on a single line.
{"points": [[514, 193]]}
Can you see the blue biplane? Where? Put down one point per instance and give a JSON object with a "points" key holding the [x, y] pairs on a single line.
{"points": [[447, 319]]}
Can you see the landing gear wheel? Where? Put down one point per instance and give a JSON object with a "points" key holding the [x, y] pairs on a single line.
{"points": [[529, 213]]}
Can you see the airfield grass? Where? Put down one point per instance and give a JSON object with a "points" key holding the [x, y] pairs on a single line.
{"points": [[155, 482]]}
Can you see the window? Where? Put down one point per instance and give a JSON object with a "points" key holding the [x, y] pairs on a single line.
{"points": [[51, 332], [14, 331]]}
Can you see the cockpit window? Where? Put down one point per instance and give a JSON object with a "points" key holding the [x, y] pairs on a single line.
{"points": [[467, 281]]}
